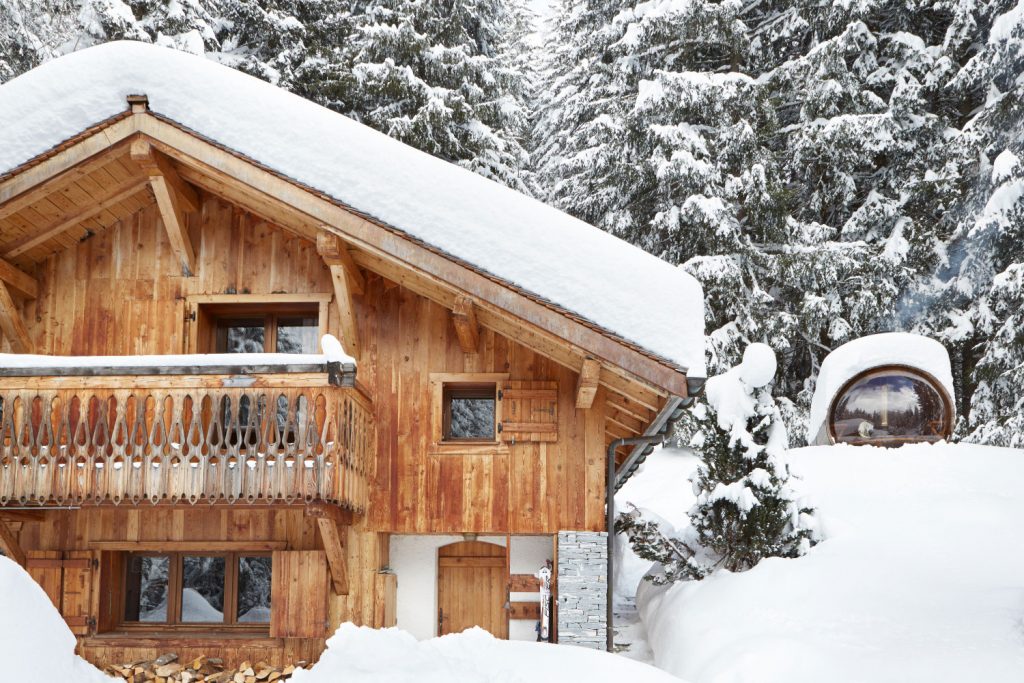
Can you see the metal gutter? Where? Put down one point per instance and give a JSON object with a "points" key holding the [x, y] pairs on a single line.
{"points": [[662, 424]]}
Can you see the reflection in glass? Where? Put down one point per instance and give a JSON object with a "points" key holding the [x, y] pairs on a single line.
{"points": [[241, 336], [889, 406], [297, 335], [202, 589], [254, 590], [472, 418], [146, 589]]}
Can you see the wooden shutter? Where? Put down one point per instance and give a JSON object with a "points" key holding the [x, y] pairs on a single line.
{"points": [[298, 597], [45, 567], [76, 594], [529, 411], [67, 581]]}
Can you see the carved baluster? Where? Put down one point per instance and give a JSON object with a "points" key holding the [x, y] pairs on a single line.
{"points": [[254, 454], [119, 467], [194, 451], [176, 438], [43, 447], [155, 462], [8, 464], [213, 486], [235, 434], [135, 449]]}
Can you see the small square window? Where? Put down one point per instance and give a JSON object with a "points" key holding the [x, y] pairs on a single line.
{"points": [[469, 412]]}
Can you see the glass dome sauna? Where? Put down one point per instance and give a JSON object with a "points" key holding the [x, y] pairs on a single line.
{"points": [[890, 406], [883, 390]]}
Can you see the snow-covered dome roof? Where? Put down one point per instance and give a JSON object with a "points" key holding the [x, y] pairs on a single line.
{"points": [[556, 258], [875, 351]]}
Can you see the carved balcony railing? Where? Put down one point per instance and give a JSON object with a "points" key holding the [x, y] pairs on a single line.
{"points": [[262, 435]]}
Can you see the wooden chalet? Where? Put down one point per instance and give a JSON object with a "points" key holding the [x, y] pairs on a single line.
{"points": [[171, 497]]}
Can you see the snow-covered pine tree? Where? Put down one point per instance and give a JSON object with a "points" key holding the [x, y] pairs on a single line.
{"points": [[445, 77], [746, 509]]}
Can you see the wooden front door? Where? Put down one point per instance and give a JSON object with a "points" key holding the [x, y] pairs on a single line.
{"points": [[472, 588]]}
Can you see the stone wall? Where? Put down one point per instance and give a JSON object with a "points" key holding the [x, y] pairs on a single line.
{"points": [[582, 588]]}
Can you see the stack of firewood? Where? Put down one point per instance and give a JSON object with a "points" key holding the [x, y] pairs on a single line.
{"points": [[167, 669]]}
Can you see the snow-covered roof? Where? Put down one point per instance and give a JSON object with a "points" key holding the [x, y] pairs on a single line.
{"points": [[553, 256], [872, 351]]}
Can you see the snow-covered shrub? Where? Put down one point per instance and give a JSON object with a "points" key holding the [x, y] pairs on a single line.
{"points": [[746, 509]]}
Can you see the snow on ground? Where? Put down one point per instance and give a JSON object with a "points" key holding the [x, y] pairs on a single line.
{"points": [[517, 239], [920, 578], [35, 643], [356, 654]]}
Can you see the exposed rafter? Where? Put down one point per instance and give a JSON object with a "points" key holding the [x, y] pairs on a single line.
{"points": [[64, 223], [466, 326], [174, 197], [586, 385]]}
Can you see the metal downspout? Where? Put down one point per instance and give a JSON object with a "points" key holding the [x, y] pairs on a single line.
{"points": [[610, 512]]}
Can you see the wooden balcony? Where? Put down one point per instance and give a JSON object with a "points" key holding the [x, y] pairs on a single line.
{"points": [[174, 434]]}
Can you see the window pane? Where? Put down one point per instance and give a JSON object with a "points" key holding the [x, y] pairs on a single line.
{"points": [[241, 336], [202, 589], [254, 590], [472, 418], [297, 335], [146, 589], [891, 405]]}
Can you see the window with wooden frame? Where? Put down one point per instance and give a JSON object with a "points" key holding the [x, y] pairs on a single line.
{"points": [[466, 410], [469, 411], [183, 590], [251, 323]]}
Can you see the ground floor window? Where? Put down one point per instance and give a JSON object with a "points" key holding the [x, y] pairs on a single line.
{"points": [[185, 589]]}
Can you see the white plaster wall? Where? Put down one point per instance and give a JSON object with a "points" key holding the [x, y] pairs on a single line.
{"points": [[414, 561]]}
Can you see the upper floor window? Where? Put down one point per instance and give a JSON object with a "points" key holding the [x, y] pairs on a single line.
{"points": [[469, 411], [294, 332], [890, 406]]}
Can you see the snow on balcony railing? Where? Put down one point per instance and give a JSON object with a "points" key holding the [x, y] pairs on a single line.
{"points": [[272, 428]]}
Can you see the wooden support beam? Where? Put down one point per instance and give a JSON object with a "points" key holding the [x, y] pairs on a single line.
{"points": [[11, 323], [466, 326], [334, 546], [319, 510], [10, 545], [174, 197], [346, 310], [586, 385], [65, 223], [18, 280], [334, 252]]}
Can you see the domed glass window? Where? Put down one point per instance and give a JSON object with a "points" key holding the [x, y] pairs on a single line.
{"points": [[890, 406]]}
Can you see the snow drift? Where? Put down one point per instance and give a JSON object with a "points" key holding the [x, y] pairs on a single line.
{"points": [[35, 643], [356, 654], [920, 578]]}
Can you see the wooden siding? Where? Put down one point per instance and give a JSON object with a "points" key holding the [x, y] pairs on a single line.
{"points": [[74, 533], [121, 292]]}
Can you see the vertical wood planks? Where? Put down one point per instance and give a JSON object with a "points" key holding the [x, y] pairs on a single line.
{"points": [[299, 594]]}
